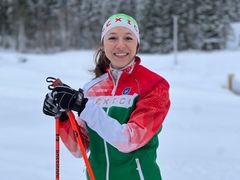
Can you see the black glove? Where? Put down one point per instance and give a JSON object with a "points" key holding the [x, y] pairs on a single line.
{"points": [[51, 109], [67, 98]]}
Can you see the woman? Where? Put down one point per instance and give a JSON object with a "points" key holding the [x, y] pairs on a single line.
{"points": [[121, 110]]}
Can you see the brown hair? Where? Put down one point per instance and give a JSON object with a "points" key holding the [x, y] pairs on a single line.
{"points": [[102, 63]]}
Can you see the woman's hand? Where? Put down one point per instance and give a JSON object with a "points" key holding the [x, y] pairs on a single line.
{"points": [[66, 98], [51, 109]]}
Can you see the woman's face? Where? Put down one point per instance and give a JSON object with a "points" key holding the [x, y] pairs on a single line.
{"points": [[120, 46]]}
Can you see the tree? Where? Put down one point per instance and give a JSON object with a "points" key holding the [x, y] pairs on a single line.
{"points": [[156, 27], [209, 17], [54, 25], [5, 28]]}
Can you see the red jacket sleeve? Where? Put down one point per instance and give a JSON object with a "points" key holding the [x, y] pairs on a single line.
{"points": [[150, 112], [69, 140]]}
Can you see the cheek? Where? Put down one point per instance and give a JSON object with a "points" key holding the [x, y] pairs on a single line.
{"points": [[107, 48], [108, 53], [134, 49]]}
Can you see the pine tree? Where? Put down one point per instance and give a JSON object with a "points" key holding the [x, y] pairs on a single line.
{"points": [[5, 29], [212, 24], [232, 8], [128, 7], [54, 25], [156, 27], [184, 12]]}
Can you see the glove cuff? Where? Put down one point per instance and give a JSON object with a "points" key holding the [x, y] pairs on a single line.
{"points": [[63, 116], [79, 107]]}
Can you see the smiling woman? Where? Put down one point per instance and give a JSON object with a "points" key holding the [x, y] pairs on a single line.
{"points": [[121, 111], [120, 42]]}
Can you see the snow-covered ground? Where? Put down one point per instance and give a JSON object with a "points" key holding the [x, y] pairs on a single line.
{"points": [[200, 138]]}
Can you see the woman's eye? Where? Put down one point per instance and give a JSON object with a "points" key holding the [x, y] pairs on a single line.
{"points": [[112, 38], [129, 38]]}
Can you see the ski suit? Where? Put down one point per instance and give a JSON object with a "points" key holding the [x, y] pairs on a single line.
{"points": [[124, 116]]}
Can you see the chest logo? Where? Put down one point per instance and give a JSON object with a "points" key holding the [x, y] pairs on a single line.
{"points": [[126, 90]]}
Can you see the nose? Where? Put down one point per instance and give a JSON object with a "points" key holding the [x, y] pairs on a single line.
{"points": [[120, 44]]}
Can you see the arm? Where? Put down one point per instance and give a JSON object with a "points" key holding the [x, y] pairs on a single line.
{"points": [[144, 122], [68, 138]]}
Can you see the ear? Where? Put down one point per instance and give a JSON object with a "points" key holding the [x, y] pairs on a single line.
{"points": [[137, 48], [102, 48]]}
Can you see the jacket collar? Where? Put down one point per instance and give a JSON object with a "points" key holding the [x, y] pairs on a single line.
{"points": [[127, 69], [115, 74]]}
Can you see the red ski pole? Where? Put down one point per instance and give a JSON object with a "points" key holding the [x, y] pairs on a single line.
{"points": [[56, 82], [81, 146], [57, 129]]}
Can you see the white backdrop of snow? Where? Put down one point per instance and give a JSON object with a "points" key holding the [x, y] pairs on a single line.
{"points": [[200, 138]]}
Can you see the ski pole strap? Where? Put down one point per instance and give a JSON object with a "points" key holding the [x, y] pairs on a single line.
{"points": [[81, 146], [54, 82]]}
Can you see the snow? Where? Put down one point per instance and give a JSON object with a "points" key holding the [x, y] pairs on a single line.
{"points": [[200, 138], [235, 84]]}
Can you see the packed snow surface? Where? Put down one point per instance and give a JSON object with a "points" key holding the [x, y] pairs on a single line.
{"points": [[200, 137]]}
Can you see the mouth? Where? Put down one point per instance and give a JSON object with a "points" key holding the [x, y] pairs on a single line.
{"points": [[120, 54]]}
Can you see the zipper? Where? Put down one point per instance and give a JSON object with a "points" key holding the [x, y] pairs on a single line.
{"points": [[106, 154], [105, 143], [107, 160], [115, 84], [139, 169]]}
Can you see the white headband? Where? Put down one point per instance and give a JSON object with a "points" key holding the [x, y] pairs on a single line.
{"points": [[120, 20]]}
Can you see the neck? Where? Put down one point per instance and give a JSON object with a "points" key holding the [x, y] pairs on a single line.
{"points": [[131, 63], [117, 72]]}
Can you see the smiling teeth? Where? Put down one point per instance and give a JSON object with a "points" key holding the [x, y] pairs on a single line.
{"points": [[121, 54]]}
